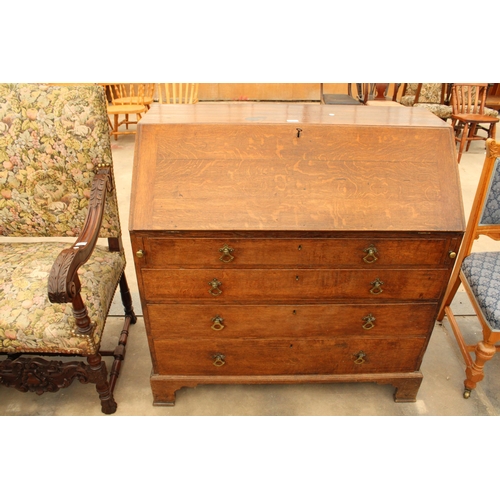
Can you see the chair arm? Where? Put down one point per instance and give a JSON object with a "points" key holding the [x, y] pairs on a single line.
{"points": [[64, 284]]}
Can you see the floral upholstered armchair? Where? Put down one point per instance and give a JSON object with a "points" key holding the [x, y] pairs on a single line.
{"points": [[56, 180], [431, 96]]}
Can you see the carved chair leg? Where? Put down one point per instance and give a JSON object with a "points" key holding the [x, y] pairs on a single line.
{"points": [[97, 369]]}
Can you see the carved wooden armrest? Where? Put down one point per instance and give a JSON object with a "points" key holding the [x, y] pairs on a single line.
{"points": [[64, 284]]}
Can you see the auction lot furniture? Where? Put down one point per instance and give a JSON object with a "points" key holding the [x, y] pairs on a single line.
{"points": [[477, 272], [57, 182], [287, 243]]}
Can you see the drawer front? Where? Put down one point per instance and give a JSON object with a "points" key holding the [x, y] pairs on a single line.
{"points": [[295, 253], [285, 356], [258, 285], [172, 321]]}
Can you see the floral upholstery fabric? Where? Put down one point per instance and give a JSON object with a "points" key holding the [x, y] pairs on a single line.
{"points": [[491, 209], [429, 98], [440, 110], [28, 321], [407, 100], [482, 271], [52, 140], [429, 93]]}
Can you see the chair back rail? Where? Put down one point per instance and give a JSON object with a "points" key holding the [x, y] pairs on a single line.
{"points": [[469, 98], [178, 93]]}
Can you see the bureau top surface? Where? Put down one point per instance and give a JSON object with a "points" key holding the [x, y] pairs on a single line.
{"points": [[294, 167]]}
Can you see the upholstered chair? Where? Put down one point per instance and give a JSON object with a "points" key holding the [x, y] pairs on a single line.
{"points": [[478, 273], [61, 255], [431, 96]]}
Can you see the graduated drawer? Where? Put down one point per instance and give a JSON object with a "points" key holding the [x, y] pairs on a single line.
{"points": [[252, 141], [272, 285], [287, 356], [369, 253], [173, 321]]}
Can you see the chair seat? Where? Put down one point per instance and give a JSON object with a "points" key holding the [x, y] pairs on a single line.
{"points": [[482, 272], [126, 109], [147, 101], [28, 321], [475, 118], [441, 110]]}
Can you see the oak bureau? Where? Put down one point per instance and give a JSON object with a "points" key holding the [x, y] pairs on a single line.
{"points": [[292, 243]]}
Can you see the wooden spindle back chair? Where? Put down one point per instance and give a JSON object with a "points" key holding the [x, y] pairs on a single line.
{"points": [[469, 115], [127, 99], [177, 93]]}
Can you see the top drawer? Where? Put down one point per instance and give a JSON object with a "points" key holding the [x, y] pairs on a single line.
{"points": [[162, 253]]}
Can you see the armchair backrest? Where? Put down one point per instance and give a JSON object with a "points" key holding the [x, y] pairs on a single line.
{"points": [[52, 141], [431, 93]]}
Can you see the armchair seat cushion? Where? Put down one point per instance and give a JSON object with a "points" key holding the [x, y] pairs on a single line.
{"points": [[482, 272], [29, 322], [440, 110]]}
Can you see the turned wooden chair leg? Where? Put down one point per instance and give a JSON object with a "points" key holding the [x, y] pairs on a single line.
{"points": [[115, 128], [126, 297], [492, 131], [465, 133], [475, 373], [472, 133]]}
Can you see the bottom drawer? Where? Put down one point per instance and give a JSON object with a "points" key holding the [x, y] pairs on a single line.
{"points": [[287, 356]]}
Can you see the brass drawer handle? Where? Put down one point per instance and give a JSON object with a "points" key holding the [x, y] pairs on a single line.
{"points": [[376, 286], [215, 284], [219, 359], [370, 256], [226, 253], [140, 254], [217, 323], [360, 358], [369, 322], [452, 254]]}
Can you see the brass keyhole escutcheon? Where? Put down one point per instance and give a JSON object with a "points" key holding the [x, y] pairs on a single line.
{"points": [[377, 284], [217, 323], [219, 359], [370, 256], [140, 254], [369, 322], [359, 358], [226, 251], [215, 290]]}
